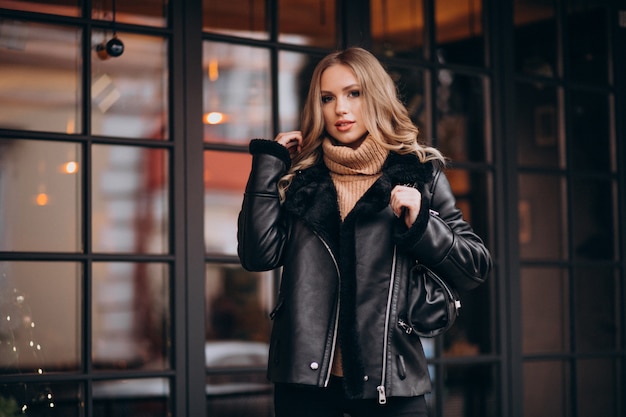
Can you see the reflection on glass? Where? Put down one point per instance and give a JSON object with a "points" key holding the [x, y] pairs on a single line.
{"points": [[225, 177], [307, 22], [58, 7], [238, 304], [130, 199], [41, 399], [471, 190], [410, 83], [461, 103], [545, 318], [542, 218], [294, 77], [40, 330], [546, 388], [590, 138], [535, 37], [40, 196], [237, 93], [459, 31], [587, 34], [145, 12], [129, 93], [596, 391], [537, 126], [469, 387], [397, 27], [597, 309], [40, 69], [594, 227], [130, 303], [132, 397], [245, 18]]}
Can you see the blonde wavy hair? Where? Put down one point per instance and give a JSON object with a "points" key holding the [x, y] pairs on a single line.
{"points": [[385, 117]]}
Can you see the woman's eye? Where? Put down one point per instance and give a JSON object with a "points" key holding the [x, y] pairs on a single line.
{"points": [[326, 99], [355, 93]]}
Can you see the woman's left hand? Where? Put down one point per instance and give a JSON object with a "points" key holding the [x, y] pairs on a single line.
{"points": [[407, 201]]}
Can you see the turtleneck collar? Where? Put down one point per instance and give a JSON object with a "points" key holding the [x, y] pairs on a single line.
{"points": [[367, 159]]}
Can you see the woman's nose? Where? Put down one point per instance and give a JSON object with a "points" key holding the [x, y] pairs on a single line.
{"points": [[341, 106]]}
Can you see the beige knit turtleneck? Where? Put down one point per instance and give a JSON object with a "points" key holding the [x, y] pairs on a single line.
{"points": [[353, 170]]}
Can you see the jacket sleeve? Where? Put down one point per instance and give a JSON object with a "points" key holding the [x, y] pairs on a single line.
{"points": [[261, 232], [442, 240]]}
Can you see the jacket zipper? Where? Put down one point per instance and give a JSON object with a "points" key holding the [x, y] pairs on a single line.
{"points": [[382, 395], [336, 324]]}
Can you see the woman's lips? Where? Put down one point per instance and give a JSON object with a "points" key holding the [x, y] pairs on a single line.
{"points": [[344, 125]]}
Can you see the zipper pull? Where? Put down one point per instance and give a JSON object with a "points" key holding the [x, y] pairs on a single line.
{"points": [[382, 398]]}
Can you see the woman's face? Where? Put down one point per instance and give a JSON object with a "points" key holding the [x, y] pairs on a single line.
{"points": [[342, 102]]}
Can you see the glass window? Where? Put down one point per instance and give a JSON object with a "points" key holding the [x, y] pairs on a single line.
{"points": [[294, 78], [537, 127], [145, 12], [410, 82], [58, 7], [594, 228], [590, 136], [130, 199], [397, 27], [41, 320], [542, 224], [597, 391], [149, 397], [586, 34], [237, 95], [225, 177], [40, 196], [460, 32], [461, 114], [469, 390], [535, 38], [130, 93], [130, 304], [545, 306], [546, 389], [40, 67], [597, 309], [42, 399], [307, 22], [245, 18]]}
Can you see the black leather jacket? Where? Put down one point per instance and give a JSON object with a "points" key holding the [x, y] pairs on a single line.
{"points": [[343, 282]]}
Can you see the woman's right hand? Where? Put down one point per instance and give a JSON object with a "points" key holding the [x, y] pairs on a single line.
{"points": [[290, 140]]}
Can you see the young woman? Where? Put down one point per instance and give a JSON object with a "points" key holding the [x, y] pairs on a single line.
{"points": [[346, 206]]}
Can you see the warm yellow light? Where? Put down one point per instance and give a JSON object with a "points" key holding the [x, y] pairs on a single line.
{"points": [[70, 167], [213, 70], [41, 199], [213, 118]]}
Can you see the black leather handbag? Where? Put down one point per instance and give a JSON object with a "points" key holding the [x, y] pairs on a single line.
{"points": [[433, 305]]}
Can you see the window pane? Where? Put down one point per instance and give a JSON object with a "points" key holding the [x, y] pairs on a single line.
{"points": [[594, 230], [542, 217], [130, 199], [225, 177], [129, 93], [144, 12], [470, 390], [245, 18], [412, 92], [537, 125], [40, 330], [236, 352], [40, 399], [59, 7], [40, 196], [586, 35], [473, 196], [597, 392], [459, 32], [307, 22], [40, 68], [131, 312], [132, 398], [397, 27], [545, 318], [597, 309], [294, 78], [535, 37], [237, 97], [590, 116], [461, 116], [546, 387]]}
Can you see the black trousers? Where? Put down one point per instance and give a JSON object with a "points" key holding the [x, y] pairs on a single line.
{"points": [[304, 401]]}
